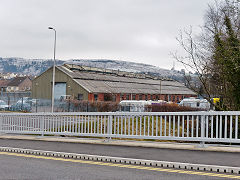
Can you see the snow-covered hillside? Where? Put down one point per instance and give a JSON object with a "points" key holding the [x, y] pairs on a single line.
{"points": [[37, 66], [25, 66]]}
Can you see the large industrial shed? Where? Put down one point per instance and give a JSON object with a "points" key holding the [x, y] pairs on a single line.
{"points": [[94, 84]]}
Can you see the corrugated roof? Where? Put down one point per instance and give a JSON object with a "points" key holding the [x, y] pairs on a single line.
{"points": [[16, 81], [4, 82], [94, 86], [108, 83]]}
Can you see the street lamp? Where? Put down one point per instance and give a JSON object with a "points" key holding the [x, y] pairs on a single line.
{"points": [[160, 88], [53, 78]]}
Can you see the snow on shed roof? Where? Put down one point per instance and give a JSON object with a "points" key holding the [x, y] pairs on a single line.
{"points": [[100, 82]]}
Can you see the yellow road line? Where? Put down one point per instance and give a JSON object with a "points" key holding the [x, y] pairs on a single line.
{"points": [[123, 166], [142, 167]]}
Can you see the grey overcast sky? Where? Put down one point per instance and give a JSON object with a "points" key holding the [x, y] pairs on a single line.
{"points": [[132, 30]]}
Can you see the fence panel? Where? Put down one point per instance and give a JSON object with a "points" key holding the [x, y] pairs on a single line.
{"points": [[178, 126]]}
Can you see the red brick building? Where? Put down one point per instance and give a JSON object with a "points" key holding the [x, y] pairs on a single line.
{"points": [[94, 84]]}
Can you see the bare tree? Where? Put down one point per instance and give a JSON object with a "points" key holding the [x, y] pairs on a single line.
{"points": [[214, 53]]}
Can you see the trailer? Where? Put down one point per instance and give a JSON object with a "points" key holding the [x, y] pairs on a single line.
{"points": [[196, 103], [137, 106]]}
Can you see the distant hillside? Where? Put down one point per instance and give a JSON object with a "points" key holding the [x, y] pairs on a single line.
{"points": [[37, 66], [25, 66]]}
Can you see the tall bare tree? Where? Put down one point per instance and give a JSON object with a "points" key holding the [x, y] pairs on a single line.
{"points": [[215, 54]]}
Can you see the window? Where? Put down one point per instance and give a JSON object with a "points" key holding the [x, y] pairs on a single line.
{"points": [[146, 97], [157, 98], [107, 97], [95, 97], [113, 98], [140, 97], [173, 98], [134, 96], [80, 97], [127, 97], [169, 97], [122, 96], [166, 98], [177, 98]]}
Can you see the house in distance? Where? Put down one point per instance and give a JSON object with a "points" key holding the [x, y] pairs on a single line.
{"points": [[19, 84], [96, 84]]}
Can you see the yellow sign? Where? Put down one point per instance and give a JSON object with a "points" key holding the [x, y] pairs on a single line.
{"points": [[216, 100]]}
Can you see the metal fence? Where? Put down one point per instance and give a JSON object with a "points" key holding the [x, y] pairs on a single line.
{"points": [[12, 97], [180, 126]]}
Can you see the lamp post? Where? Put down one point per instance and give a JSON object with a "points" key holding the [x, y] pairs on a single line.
{"points": [[160, 88], [53, 78]]}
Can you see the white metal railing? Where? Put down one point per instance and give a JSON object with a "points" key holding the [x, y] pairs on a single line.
{"points": [[180, 126]]}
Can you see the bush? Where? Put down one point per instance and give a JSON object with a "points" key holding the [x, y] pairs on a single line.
{"points": [[170, 108], [107, 106], [86, 106]]}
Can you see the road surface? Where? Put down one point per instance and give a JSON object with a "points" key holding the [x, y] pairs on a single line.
{"points": [[27, 167], [196, 157]]}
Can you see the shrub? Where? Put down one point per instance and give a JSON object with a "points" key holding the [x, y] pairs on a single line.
{"points": [[170, 108], [87, 106]]}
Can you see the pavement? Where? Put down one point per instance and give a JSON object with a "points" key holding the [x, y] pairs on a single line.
{"points": [[129, 143]]}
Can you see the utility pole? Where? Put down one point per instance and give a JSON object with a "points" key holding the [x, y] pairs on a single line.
{"points": [[54, 64], [160, 88]]}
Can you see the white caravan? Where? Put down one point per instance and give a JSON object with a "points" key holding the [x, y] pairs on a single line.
{"points": [[195, 103], [137, 106]]}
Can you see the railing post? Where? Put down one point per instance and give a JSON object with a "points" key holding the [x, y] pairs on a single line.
{"points": [[42, 125], [1, 124], [203, 125], [109, 128]]}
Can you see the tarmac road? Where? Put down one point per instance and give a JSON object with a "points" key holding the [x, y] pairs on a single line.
{"points": [[17, 167], [188, 156]]}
